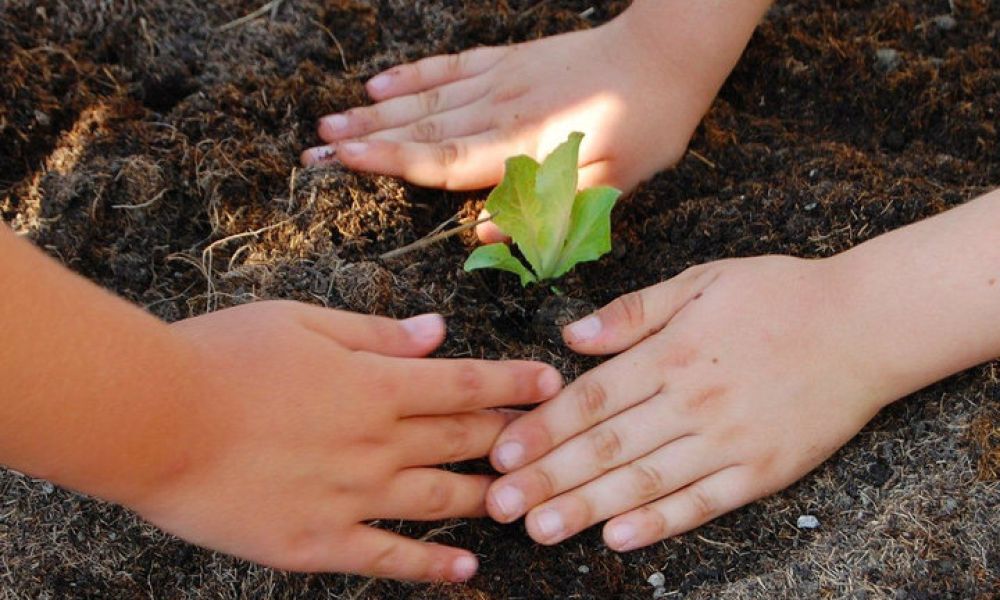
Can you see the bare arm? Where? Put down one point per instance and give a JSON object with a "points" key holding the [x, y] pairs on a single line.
{"points": [[93, 388]]}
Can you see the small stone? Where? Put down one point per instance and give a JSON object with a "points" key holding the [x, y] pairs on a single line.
{"points": [[810, 206], [660, 592], [887, 59], [583, 569], [657, 580], [47, 488], [807, 522], [42, 118], [950, 505], [945, 22]]}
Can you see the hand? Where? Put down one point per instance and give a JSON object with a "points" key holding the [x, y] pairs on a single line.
{"points": [[635, 86], [738, 378], [310, 422]]}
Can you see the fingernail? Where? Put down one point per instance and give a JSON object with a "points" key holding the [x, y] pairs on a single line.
{"points": [[585, 329], [323, 154], [509, 455], [424, 328], [622, 536], [509, 500], [379, 83], [549, 383], [464, 568], [354, 148], [550, 523], [336, 123]]}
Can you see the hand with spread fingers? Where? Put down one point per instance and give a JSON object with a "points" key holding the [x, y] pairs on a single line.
{"points": [[274, 431], [312, 422], [637, 86], [737, 378]]}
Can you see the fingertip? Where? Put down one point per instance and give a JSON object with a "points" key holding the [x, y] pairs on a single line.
{"points": [[550, 382], [620, 535], [463, 568], [426, 331], [505, 503], [507, 456], [318, 155], [489, 233], [380, 87], [333, 127], [585, 332]]}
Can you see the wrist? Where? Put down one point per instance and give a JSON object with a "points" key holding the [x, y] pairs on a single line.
{"points": [[704, 42], [924, 301]]}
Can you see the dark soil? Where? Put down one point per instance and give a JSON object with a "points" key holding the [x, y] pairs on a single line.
{"points": [[135, 140]]}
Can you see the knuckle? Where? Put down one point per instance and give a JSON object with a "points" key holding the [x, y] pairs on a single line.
{"points": [[506, 94], [545, 482], [368, 119], [702, 502], [655, 523], [448, 153], [606, 445], [458, 440], [647, 481], [703, 400], [430, 100], [386, 561], [470, 381], [593, 401], [438, 500], [427, 130], [455, 64], [629, 309]]}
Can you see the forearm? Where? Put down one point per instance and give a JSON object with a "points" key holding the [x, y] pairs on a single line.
{"points": [[927, 297], [89, 393], [706, 37]]}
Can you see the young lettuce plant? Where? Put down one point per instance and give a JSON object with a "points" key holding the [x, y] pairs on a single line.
{"points": [[554, 226]]}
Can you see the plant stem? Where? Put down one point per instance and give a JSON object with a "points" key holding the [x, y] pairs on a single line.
{"points": [[433, 239]]}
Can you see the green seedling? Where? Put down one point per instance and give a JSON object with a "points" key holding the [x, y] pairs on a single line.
{"points": [[554, 226]]}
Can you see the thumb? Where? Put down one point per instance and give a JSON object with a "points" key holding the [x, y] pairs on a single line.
{"points": [[635, 316], [488, 232], [410, 338]]}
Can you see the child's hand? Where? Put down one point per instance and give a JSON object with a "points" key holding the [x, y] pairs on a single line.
{"points": [[311, 422], [637, 86], [739, 378]]}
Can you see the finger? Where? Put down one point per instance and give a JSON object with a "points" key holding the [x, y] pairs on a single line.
{"points": [[594, 397], [377, 553], [488, 231], [682, 511], [458, 123], [401, 111], [636, 315], [601, 173], [594, 454], [466, 163], [433, 72], [413, 337], [654, 476], [428, 441], [432, 495], [442, 387]]}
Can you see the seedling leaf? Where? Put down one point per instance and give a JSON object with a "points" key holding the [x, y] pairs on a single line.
{"points": [[498, 256], [589, 228], [553, 225]]}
